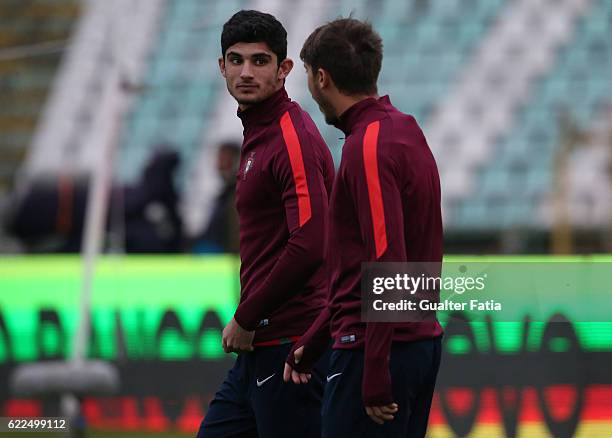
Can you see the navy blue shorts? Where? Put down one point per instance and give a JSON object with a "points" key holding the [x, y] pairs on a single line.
{"points": [[414, 368], [254, 401]]}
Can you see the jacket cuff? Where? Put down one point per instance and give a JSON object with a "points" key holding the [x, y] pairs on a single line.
{"points": [[310, 356], [376, 385], [245, 319]]}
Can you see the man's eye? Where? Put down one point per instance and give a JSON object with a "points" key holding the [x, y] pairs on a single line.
{"points": [[235, 61], [261, 61]]}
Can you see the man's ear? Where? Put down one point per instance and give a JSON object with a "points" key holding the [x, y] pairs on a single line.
{"points": [[285, 68], [323, 79], [222, 66]]}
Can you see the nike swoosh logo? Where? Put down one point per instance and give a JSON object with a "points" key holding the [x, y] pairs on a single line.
{"points": [[261, 382], [333, 376]]}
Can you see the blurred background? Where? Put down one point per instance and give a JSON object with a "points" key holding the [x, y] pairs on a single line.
{"points": [[117, 137]]}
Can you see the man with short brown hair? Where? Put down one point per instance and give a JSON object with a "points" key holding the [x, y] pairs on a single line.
{"points": [[385, 207]]}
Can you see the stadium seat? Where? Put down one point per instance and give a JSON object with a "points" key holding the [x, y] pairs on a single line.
{"points": [[579, 82]]}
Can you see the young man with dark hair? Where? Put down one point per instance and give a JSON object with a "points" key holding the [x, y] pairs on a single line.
{"points": [[385, 207], [285, 175]]}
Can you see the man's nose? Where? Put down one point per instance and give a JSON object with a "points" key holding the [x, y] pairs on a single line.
{"points": [[247, 70]]}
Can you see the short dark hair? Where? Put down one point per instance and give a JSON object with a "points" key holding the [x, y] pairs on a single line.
{"points": [[350, 51], [255, 27]]}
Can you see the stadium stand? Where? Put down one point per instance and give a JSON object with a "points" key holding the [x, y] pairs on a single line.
{"points": [[515, 184], [31, 37], [486, 86], [81, 115], [519, 49]]}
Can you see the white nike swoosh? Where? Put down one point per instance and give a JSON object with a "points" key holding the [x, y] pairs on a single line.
{"points": [[333, 376], [261, 382]]}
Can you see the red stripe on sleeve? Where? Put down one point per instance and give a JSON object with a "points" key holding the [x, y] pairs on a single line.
{"points": [[297, 166], [370, 162]]}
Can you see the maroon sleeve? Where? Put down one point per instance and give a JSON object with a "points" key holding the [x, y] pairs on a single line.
{"points": [[298, 171], [315, 342], [373, 179]]}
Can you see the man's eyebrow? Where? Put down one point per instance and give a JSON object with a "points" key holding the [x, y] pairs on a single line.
{"points": [[261, 54], [254, 55]]}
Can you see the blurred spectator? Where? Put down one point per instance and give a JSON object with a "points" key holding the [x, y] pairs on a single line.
{"points": [[221, 235], [152, 222], [48, 215]]}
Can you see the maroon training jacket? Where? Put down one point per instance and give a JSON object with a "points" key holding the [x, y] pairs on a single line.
{"points": [[384, 207], [285, 176]]}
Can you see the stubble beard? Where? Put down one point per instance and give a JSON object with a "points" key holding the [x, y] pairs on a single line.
{"points": [[328, 111], [268, 88], [244, 101]]}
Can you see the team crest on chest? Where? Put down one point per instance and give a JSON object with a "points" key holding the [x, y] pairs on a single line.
{"points": [[248, 165]]}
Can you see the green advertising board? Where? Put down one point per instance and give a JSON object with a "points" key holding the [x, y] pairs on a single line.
{"points": [[174, 307]]}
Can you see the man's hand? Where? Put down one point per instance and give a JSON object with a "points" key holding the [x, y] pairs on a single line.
{"points": [[292, 374], [380, 414], [236, 339]]}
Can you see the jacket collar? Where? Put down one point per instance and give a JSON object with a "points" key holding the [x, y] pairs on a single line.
{"points": [[362, 112], [265, 111]]}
